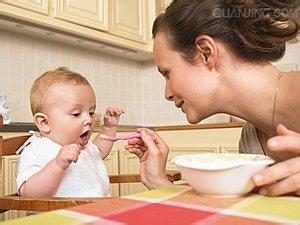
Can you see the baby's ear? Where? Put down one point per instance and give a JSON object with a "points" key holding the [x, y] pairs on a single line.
{"points": [[41, 121]]}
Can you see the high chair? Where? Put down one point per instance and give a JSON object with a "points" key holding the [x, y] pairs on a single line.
{"points": [[8, 146]]}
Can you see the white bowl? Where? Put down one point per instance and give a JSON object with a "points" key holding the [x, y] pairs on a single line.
{"points": [[221, 175]]}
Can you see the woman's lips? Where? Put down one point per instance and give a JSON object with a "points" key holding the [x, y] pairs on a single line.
{"points": [[179, 105], [182, 109]]}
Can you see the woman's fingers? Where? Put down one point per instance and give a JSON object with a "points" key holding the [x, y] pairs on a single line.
{"points": [[138, 152], [135, 141], [283, 177], [142, 147], [153, 157], [288, 185], [277, 172], [286, 140], [289, 143], [282, 130], [158, 141], [146, 137], [142, 155]]}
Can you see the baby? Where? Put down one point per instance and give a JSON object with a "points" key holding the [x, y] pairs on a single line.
{"points": [[61, 161]]}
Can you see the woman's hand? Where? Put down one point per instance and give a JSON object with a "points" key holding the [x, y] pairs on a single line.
{"points": [[153, 158], [283, 177]]}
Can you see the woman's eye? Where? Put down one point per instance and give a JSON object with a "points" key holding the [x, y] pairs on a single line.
{"points": [[166, 74]]}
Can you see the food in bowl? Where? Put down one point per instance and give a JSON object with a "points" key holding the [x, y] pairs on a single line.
{"points": [[221, 175]]}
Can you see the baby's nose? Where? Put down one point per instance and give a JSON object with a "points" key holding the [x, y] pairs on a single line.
{"points": [[87, 120]]}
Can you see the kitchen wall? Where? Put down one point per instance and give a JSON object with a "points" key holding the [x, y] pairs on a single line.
{"points": [[291, 59], [116, 81], [135, 86]]}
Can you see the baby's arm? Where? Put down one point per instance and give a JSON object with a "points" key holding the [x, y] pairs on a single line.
{"points": [[105, 146], [110, 123], [46, 182]]}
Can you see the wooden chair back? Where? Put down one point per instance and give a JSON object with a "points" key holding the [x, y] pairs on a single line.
{"points": [[9, 146], [12, 144]]}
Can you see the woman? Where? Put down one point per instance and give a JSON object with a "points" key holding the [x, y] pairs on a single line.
{"points": [[215, 57]]}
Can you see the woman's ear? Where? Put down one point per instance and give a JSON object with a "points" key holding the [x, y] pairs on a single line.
{"points": [[41, 121], [206, 50]]}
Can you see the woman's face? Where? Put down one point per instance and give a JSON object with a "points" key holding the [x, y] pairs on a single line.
{"points": [[192, 87]]}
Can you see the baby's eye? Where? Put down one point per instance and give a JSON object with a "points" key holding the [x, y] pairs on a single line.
{"points": [[92, 113], [75, 114]]}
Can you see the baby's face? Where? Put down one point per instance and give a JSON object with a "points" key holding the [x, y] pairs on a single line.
{"points": [[70, 109]]}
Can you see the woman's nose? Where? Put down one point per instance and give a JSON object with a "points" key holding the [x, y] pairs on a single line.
{"points": [[169, 94]]}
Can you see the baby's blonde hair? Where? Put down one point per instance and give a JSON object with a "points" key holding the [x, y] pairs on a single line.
{"points": [[41, 84]]}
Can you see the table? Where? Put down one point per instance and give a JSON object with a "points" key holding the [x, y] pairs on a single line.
{"points": [[174, 205]]}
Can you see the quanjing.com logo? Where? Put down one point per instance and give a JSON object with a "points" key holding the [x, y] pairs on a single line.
{"points": [[233, 13]]}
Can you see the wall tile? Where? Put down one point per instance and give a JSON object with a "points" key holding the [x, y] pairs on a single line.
{"points": [[4, 50], [15, 53], [15, 68]]}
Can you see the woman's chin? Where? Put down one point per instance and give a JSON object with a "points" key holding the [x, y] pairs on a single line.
{"points": [[192, 119]]}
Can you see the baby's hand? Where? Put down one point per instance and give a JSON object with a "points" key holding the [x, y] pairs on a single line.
{"points": [[112, 116], [67, 155]]}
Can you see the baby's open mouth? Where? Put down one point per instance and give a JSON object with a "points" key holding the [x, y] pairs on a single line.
{"points": [[84, 138], [85, 134]]}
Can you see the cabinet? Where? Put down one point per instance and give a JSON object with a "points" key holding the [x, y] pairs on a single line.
{"points": [[39, 6], [122, 23], [93, 14], [128, 19], [161, 5], [9, 184]]}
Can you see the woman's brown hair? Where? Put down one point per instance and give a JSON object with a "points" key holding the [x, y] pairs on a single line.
{"points": [[254, 30]]}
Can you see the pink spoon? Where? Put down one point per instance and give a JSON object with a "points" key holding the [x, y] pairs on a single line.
{"points": [[126, 137]]}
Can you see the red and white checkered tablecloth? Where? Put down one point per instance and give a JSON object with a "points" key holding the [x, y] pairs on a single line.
{"points": [[174, 205]]}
